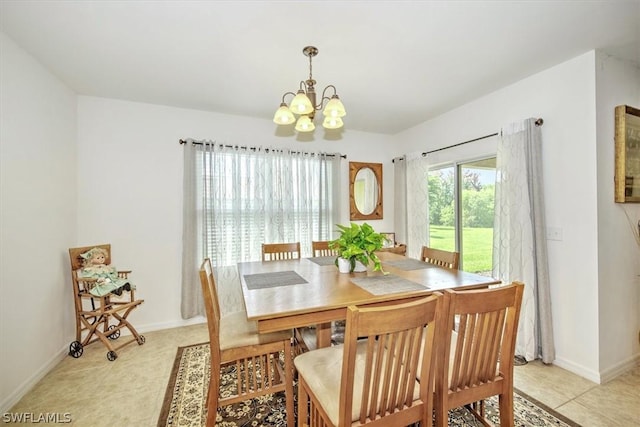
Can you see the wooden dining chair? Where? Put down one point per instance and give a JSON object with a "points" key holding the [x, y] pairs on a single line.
{"points": [[478, 357], [440, 258], [235, 343], [278, 251], [321, 248], [381, 360]]}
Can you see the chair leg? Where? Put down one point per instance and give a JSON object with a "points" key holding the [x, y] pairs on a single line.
{"points": [[303, 403], [212, 407], [506, 410], [288, 379], [441, 412]]}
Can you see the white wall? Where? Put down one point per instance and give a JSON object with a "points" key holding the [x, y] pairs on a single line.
{"points": [[38, 212], [618, 83], [130, 186], [564, 96]]}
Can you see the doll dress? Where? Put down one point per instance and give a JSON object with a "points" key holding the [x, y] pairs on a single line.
{"points": [[107, 280]]}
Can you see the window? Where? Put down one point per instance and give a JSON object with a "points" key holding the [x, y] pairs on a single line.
{"points": [[461, 206], [254, 197]]}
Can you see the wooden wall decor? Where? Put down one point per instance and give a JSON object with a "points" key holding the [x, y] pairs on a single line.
{"points": [[627, 154], [365, 191]]}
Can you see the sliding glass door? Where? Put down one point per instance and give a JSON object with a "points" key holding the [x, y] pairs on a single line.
{"points": [[461, 206], [442, 208]]}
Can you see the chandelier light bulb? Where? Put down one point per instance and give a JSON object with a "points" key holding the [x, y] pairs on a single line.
{"points": [[301, 103], [332, 122], [283, 115], [305, 124], [334, 108]]}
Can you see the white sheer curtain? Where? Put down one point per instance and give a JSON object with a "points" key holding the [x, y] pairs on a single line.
{"points": [[400, 199], [235, 199], [519, 239], [417, 198]]}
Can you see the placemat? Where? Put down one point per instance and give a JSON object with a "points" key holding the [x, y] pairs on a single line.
{"points": [[387, 284], [323, 260], [409, 264], [271, 280]]}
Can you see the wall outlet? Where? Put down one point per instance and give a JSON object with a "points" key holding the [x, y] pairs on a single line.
{"points": [[554, 233]]}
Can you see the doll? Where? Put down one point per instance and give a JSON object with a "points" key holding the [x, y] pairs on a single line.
{"points": [[107, 280]]}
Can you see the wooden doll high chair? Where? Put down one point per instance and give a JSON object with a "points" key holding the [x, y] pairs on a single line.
{"points": [[100, 313]]}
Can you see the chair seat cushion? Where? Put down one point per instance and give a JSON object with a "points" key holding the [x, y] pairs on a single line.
{"points": [[237, 331], [322, 370]]}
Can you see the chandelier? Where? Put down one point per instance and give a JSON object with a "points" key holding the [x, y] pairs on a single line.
{"points": [[304, 104]]}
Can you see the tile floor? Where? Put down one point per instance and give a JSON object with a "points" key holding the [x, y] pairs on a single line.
{"points": [[130, 390]]}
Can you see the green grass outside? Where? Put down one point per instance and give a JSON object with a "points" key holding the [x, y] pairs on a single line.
{"points": [[477, 246]]}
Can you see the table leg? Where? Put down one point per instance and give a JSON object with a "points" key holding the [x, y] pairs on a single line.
{"points": [[323, 335]]}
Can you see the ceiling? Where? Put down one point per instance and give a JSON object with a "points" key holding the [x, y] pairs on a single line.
{"points": [[394, 63]]}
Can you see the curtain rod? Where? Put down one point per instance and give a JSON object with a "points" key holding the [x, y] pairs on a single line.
{"points": [[183, 141], [538, 122]]}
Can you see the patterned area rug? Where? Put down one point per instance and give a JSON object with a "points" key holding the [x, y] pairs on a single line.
{"points": [[187, 389]]}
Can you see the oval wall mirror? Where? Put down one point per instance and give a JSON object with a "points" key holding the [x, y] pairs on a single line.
{"points": [[365, 190]]}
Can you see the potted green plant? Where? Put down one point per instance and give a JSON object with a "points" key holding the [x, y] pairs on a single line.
{"points": [[356, 246]]}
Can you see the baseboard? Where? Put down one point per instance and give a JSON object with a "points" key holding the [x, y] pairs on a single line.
{"points": [[599, 377], [24, 388], [580, 370], [150, 327], [620, 368]]}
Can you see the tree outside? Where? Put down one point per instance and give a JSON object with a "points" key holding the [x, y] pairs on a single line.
{"points": [[476, 216]]}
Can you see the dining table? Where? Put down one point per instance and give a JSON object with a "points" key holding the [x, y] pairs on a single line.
{"points": [[295, 293]]}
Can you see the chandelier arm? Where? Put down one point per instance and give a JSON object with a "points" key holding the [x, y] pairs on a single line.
{"points": [[335, 91], [285, 94], [325, 97]]}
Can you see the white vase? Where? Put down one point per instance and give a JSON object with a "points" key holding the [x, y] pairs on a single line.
{"points": [[344, 266]]}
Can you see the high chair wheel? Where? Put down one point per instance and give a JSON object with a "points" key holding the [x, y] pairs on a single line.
{"points": [[111, 355], [75, 349], [115, 335], [141, 339]]}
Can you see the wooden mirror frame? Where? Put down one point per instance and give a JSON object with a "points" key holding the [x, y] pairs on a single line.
{"points": [[624, 183], [354, 212]]}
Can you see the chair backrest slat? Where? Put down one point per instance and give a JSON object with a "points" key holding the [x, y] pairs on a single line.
{"points": [[321, 248], [280, 251], [440, 258]]}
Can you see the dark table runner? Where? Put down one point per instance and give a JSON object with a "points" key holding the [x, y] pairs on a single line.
{"points": [[271, 280], [323, 260], [387, 284]]}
